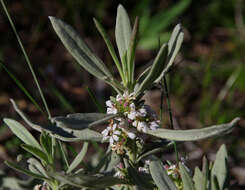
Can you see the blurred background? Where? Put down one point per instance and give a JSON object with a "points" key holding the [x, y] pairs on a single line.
{"points": [[206, 87]]}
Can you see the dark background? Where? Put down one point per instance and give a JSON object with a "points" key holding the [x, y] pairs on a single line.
{"points": [[206, 87]]}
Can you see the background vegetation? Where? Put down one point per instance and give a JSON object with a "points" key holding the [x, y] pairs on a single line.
{"points": [[206, 87]]}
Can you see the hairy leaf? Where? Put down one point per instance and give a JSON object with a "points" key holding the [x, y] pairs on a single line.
{"points": [[79, 158], [21, 132], [123, 31], [199, 179], [63, 134], [155, 70], [160, 175], [81, 52], [220, 168], [187, 181], [36, 152], [22, 170], [194, 134], [81, 121]]}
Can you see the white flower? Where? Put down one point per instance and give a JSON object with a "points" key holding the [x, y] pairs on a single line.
{"points": [[132, 115], [119, 97], [132, 107], [154, 125], [135, 123], [111, 133], [105, 134], [128, 96], [111, 110], [142, 126], [142, 169], [109, 103], [118, 174], [142, 112], [131, 135]]}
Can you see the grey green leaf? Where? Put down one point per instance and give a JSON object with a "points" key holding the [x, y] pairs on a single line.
{"points": [[220, 168], [160, 175], [79, 158], [185, 176], [194, 134], [123, 31], [21, 132]]}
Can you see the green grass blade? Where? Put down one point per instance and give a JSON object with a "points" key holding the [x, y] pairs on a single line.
{"points": [[96, 102], [21, 87], [26, 58]]}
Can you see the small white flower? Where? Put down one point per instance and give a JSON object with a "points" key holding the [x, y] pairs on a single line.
{"points": [[109, 103], [135, 123], [131, 135], [147, 162], [118, 174], [142, 169], [154, 125], [142, 112], [142, 126], [132, 115], [111, 110], [132, 107], [128, 96], [118, 97]]}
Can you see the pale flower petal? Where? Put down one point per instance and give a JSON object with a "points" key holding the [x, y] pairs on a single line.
{"points": [[109, 103], [132, 115], [131, 135]]}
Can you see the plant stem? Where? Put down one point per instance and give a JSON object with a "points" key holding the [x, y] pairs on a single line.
{"points": [[164, 81]]}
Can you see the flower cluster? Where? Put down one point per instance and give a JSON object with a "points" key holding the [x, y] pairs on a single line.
{"points": [[133, 119]]}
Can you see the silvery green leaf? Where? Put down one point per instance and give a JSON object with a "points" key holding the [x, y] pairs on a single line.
{"points": [[63, 134], [220, 168], [46, 143], [109, 46], [36, 152], [187, 181], [142, 181], [22, 170], [205, 171], [174, 45], [21, 132], [160, 175], [112, 162], [78, 49], [81, 121], [123, 31], [79, 158], [199, 179], [155, 71], [132, 48], [12, 183], [38, 166], [97, 181], [81, 52], [194, 134]]}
